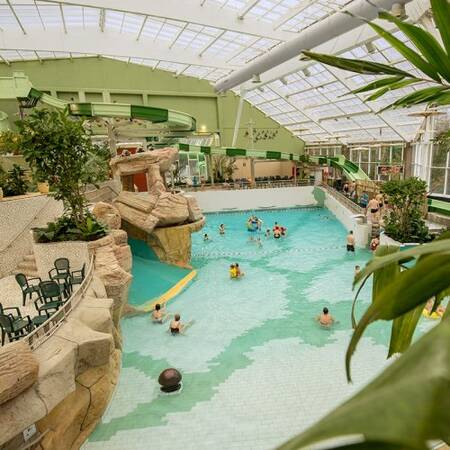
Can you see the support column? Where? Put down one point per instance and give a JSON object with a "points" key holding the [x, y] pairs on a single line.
{"points": [[238, 116], [252, 170]]}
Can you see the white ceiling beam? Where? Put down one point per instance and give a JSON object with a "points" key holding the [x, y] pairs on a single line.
{"points": [[107, 44], [203, 50], [101, 20], [246, 8], [186, 11], [63, 18]]}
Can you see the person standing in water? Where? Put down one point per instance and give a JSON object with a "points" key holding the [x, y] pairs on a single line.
{"points": [[350, 242], [175, 325], [325, 319], [222, 229]]}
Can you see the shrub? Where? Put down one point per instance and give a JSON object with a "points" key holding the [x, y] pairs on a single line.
{"points": [[59, 151], [65, 229], [14, 183], [407, 199], [10, 142]]}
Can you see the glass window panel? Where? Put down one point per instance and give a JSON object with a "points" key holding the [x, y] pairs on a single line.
{"points": [[364, 155], [437, 181], [385, 155], [448, 182], [396, 154], [439, 156]]}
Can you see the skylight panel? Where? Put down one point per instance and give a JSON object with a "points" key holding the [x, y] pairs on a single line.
{"points": [[73, 15], [198, 71], [7, 19], [160, 30], [50, 15], [171, 66], [28, 15], [217, 75]]}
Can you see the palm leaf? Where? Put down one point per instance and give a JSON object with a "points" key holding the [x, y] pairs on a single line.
{"points": [[354, 65], [410, 288], [403, 408], [428, 46], [413, 57], [403, 331], [377, 84], [443, 99], [441, 14], [426, 95], [392, 87]]}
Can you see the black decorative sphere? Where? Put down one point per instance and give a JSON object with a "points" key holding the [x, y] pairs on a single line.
{"points": [[170, 379]]}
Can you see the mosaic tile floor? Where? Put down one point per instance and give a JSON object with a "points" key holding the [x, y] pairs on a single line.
{"points": [[257, 369]]}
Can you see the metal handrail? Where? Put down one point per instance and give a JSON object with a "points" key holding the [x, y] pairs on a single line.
{"points": [[237, 186], [39, 335], [344, 200]]}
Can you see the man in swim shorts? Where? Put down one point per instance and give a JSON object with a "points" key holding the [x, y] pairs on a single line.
{"points": [[350, 242], [176, 325], [373, 209], [325, 319]]}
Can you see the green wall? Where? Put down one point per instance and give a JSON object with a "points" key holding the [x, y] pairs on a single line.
{"points": [[102, 79]]}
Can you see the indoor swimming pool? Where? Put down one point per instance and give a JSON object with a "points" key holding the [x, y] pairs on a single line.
{"points": [[257, 368]]}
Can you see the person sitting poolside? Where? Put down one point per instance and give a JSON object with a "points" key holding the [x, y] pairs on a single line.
{"points": [[233, 271], [175, 325], [374, 243], [222, 229], [159, 315], [325, 319]]}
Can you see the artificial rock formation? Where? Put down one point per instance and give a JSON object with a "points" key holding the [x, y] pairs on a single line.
{"points": [[107, 215], [163, 219], [19, 370]]}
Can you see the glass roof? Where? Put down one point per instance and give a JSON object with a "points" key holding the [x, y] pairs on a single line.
{"points": [[209, 39]]}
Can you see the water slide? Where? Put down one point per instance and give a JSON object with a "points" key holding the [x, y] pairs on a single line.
{"points": [[146, 117], [350, 169]]}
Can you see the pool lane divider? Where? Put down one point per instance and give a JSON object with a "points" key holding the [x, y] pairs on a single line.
{"points": [[171, 293]]}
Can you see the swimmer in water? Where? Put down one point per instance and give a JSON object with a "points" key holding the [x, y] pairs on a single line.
{"points": [[350, 242], [175, 325], [233, 271], [222, 229], [325, 319], [206, 237], [267, 233], [357, 270], [239, 274], [159, 315]]}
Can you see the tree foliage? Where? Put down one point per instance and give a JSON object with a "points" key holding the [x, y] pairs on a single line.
{"points": [[59, 151], [406, 199], [427, 55], [14, 182], [10, 142]]}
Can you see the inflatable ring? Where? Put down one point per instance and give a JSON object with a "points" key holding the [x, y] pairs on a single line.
{"points": [[433, 316]]}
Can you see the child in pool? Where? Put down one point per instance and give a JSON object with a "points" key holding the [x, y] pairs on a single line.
{"points": [[238, 271], [222, 229], [206, 237], [159, 315], [325, 319], [233, 271], [267, 233], [175, 325]]}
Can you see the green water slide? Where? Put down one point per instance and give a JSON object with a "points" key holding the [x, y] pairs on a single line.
{"points": [[148, 117], [352, 171], [439, 206], [239, 152]]}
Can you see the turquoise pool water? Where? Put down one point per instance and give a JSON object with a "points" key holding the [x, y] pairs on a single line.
{"points": [[257, 369]]}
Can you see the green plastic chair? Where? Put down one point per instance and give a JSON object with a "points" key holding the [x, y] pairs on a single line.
{"points": [[51, 297], [61, 273], [14, 329], [16, 316], [77, 276], [26, 287]]}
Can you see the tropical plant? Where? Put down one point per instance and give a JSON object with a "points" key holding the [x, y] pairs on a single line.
{"points": [[10, 142], [429, 57], [59, 151], [406, 198], [409, 403], [224, 167], [66, 229], [14, 182]]}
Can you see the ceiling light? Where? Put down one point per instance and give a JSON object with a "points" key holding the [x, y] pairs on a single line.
{"points": [[256, 79], [398, 10], [370, 47]]}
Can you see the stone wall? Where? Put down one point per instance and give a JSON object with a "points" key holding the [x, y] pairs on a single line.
{"points": [[17, 217], [78, 366]]}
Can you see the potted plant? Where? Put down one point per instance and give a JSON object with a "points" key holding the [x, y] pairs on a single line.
{"points": [[60, 152], [406, 200]]}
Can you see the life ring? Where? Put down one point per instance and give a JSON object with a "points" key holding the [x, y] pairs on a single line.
{"points": [[433, 316]]}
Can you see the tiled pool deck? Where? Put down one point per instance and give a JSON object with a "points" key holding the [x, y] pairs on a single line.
{"points": [[257, 369]]}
